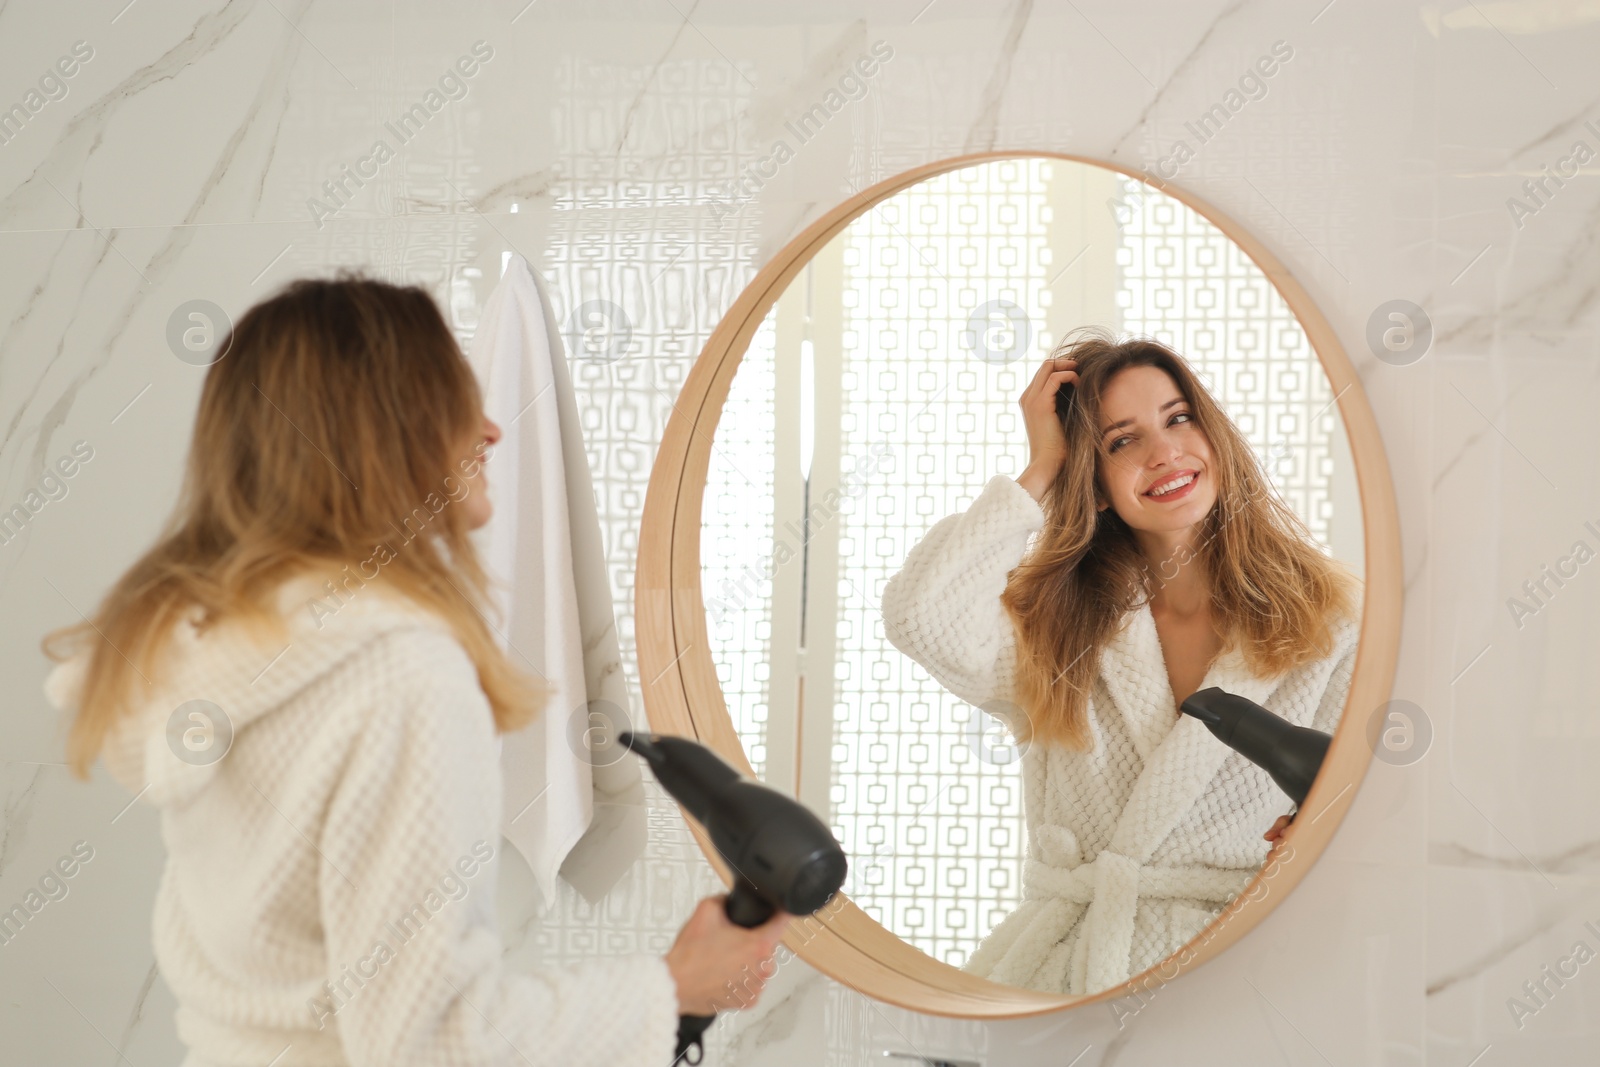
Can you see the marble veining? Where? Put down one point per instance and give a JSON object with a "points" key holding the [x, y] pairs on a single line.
{"points": [[601, 143], [985, 127]]}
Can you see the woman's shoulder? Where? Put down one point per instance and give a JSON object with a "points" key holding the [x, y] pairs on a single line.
{"points": [[1347, 623], [1344, 636], [375, 630], [420, 684], [1343, 627], [321, 599]]}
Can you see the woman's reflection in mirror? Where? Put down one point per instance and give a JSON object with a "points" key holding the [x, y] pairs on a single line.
{"points": [[1141, 555]]}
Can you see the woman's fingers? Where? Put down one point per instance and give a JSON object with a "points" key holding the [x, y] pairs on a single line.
{"points": [[1052, 372], [1047, 440], [716, 964], [1039, 398]]}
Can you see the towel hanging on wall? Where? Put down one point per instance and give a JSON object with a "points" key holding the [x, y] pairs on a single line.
{"points": [[574, 801]]}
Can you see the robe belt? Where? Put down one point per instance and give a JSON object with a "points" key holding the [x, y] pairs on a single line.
{"points": [[1111, 885]]}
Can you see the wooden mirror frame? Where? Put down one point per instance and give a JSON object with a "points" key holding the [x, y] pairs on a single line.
{"points": [[683, 697]]}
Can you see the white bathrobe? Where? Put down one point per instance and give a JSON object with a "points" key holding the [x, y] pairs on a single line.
{"points": [[332, 851], [1135, 846]]}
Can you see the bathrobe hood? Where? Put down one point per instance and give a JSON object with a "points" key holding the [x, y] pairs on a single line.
{"points": [[166, 749]]}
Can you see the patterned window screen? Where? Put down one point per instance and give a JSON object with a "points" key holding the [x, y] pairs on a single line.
{"points": [[934, 827], [636, 261], [736, 544], [1185, 284]]}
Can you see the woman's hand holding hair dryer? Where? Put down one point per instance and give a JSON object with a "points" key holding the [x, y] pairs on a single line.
{"points": [[718, 965], [1275, 834]]}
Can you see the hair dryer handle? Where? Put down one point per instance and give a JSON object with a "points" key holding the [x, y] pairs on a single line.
{"points": [[745, 907]]}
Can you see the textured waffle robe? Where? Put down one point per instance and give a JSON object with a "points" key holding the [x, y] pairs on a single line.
{"points": [[328, 896], [1133, 847]]}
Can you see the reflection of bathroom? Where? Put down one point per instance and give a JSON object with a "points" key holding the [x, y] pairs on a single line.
{"points": [[859, 430]]}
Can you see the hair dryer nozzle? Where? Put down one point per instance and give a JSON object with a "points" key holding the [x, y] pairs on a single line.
{"points": [[639, 744], [1291, 754], [1201, 708], [785, 853]]}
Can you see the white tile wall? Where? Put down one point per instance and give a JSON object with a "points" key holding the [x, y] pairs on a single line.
{"points": [[597, 141]]}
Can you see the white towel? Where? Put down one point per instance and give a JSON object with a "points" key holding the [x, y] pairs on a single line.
{"points": [[565, 776]]}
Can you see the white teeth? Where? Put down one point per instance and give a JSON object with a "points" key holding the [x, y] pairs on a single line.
{"points": [[1179, 484]]}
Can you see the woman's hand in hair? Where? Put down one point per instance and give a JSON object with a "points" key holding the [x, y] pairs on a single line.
{"points": [[1047, 441], [718, 965]]}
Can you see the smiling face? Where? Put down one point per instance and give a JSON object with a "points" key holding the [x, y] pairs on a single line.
{"points": [[1157, 470]]}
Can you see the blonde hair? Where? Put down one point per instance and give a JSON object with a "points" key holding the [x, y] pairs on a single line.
{"points": [[336, 409], [1274, 591]]}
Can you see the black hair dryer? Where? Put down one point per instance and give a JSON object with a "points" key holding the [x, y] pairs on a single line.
{"points": [[1291, 754], [781, 855]]}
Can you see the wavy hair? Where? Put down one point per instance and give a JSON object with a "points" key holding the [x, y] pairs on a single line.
{"points": [[1275, 591], [338, 408]]}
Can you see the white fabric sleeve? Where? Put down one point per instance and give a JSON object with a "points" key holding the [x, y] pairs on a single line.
{"points": [[408, 901], [943, 607]]}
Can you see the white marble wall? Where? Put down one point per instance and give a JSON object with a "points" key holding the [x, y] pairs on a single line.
{"points": [[598, 140]]}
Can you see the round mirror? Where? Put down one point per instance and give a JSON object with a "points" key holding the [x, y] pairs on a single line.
{"points": [[862, 520]]}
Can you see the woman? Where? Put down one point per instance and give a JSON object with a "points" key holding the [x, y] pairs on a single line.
{"points": [[1163, 564], [299, 675]]}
